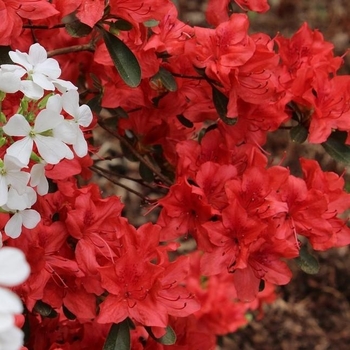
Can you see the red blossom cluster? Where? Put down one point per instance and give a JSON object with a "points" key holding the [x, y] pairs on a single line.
{"points": [[199, 118]]}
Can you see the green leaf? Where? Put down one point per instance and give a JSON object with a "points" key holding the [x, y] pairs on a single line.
{"points": [[169, 338], [151, 23], [120, 25], [118, 337], [166, 78], [184, 121], [298, 133], [123, 58], [336, 148], [221, 103], [77, 29], [44, 309], [307, 262]]}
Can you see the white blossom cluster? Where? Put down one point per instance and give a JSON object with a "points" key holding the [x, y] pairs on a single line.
{"points": [[14, 270], [34, 140]]}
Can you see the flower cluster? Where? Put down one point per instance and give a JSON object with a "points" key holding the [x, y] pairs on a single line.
{"points": [[194, 107], [40, 133]]}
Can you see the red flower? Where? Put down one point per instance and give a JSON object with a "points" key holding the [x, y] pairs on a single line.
{"points": [[12, 13], [218, 10]]}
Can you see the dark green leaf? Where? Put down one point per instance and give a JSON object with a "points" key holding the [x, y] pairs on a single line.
{"points": [[123, 58], [151, 23], [68, 313], [44, 309], [298, 133], [184, 121], [145, 173], [307, 262], [336, 148], [118, 337], [261, 285], [169, 338], [77, 29], [166, 78], [120, 24], [221, 103]]}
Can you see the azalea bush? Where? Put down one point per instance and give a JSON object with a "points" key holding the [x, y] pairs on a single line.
{"points": [[192, 108]]}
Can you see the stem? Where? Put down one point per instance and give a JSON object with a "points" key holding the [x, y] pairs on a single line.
{"points": [[69, 49], [136, 154], [187, 76], [113, 173], [101, 173], [31, 26]]}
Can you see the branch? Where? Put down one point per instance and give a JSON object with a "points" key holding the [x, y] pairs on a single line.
{"points": [[137, 154], [32, 26], [69, 49], [101, 173], [114, 173]]}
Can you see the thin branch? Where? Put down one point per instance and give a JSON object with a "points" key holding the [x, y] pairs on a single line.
{"points": [[114, 173], [69, 49], [137, 154], [101, 173], [187, 76], [32, 26]]}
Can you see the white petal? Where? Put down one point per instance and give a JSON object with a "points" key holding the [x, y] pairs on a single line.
{"points": [[31, 90], [3, 190], [54, 103], [47, 120], [21, 58], [13, 227], [44, 82], [9, 82], [67, 131], [84, 116], [21, 149], [52, 150], [80, 147], [13, 68], [49, 67], [17, 126], [7, 320], [14, 268], [30, 218], [12, 339], [17, 201], [70, 102], [63, 85], [37, 54]]}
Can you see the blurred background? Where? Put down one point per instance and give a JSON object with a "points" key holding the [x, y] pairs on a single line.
{"points": [[313, 311]]}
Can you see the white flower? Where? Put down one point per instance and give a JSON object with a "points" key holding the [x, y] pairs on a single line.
{"points": [[14, 270], [42, 72], [82, 116], [11, 175], [11, 339], [22, 216], [51, 149], [38, 178], [10, 82]]}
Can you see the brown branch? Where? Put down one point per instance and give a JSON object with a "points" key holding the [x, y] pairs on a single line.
{"points": [[114, 173], [32, 26], [137, 154], [70, 49], [101, 173]]}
